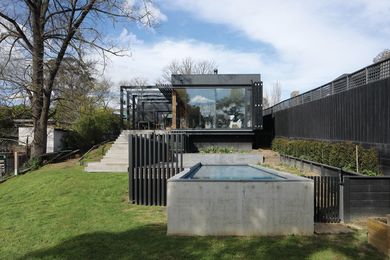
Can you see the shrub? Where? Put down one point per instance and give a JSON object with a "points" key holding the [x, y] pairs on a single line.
{"points": [[92, 128], [337, 154], [216, 149]]}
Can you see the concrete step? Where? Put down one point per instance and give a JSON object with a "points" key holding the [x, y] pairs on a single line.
{"points": [[117, 158], [117, 153], [114, 160], [121, 145], [119, 148], [103, 167]]}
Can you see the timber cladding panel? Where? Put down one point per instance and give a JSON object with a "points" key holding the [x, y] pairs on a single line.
{"points": [[366, 197]]}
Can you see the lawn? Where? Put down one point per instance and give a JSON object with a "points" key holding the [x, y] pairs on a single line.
{"points": [[62, 212]]}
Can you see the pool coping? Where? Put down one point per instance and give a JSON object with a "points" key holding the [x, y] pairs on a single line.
{"points": [[287, 177]]}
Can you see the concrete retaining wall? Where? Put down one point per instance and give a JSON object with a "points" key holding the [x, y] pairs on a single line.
{"points": [[320, 169], [190, 159], [243, 208]]}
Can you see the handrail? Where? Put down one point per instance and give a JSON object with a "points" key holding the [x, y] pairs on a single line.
{"points": [[377, 71], [94, 147]]}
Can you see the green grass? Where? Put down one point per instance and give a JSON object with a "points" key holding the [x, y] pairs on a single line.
{"points": [[284, 168], [61, 212]]}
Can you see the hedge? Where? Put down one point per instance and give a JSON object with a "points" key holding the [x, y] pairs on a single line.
{"points": [[337, 154]]}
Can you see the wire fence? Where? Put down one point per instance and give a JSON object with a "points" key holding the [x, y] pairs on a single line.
{"points": [[369, 74]]}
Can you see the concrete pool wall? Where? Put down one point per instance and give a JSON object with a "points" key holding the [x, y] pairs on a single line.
{"points": [[240, 207]]}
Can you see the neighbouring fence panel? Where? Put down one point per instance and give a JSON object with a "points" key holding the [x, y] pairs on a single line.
{"points": [[366, 197], [153, 159], [7, 164], [326, 199]]}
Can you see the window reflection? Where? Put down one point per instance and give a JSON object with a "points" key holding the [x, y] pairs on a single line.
{"points": [[214, 108]]}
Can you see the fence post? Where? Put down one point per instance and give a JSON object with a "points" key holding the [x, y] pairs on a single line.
{"points": [[346, 200], [131, 168], [16, 163], [357, 159], [341, 195]]}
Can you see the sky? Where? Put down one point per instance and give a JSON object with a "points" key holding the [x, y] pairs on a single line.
{"points": [[303, 44]]}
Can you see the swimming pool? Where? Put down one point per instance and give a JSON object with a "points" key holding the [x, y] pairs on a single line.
{"points": [[241, 200], [230, 172]]}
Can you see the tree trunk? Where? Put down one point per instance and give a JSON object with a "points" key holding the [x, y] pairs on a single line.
{"points": [[39, 102]]}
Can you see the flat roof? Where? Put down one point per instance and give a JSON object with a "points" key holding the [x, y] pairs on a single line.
{"points": [[180, 80]]}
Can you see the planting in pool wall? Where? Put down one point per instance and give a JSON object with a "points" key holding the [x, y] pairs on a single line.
{"points": [[242, 200]]}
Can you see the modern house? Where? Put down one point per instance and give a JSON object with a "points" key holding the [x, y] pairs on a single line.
{"points": [[213, 109]]}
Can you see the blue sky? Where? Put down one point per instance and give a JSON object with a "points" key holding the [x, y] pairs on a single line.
{"points": [[302, 44]]}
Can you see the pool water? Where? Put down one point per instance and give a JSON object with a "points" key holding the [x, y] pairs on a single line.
{"points": [[231, 172]]}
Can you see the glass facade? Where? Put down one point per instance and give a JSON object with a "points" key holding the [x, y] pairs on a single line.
{"points": [[214, 108]]}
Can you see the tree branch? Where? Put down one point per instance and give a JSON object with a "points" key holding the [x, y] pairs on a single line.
{"points": [[18, 29]]}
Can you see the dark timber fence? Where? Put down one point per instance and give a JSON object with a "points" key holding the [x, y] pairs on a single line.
{"points": [[153, 159], [326, 199], [344, 195], [366, 197], [353, 108]]}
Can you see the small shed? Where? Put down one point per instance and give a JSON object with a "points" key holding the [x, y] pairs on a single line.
{"points": [[55, 137]]}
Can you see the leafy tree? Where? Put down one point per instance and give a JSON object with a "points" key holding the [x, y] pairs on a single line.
{"points": [[75, 89], [8, 115], [92, 127]]}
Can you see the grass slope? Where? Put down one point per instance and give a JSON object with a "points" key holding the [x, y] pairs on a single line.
{"points": [[61, 212]]}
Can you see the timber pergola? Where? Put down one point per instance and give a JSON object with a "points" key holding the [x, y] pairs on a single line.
{"points": [[145, 105]]}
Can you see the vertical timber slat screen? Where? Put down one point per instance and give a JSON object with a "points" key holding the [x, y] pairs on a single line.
{"points": [[326, 199], [153, 159]]}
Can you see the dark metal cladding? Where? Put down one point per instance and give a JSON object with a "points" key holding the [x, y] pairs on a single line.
{"points": [[180, 80]]}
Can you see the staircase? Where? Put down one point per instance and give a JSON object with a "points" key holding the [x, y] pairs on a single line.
{"points": [[116, 159]]}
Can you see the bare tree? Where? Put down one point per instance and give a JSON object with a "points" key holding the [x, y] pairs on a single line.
{"points": [[36, 31], [276, 93], [187, 66], [265, 102], [265, 98], [139, 82], [383, 55], [136, 81], [103, 94]]}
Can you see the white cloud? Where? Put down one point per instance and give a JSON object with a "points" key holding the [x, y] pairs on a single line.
{"points": [[201, 100], [315, 40], [148, 11], [148, 60]]}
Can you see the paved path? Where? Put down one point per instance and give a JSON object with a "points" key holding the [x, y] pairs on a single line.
{"points": [[331, 228]]}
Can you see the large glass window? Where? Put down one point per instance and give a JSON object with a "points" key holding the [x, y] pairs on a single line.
{"points": [[214, 108]]}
